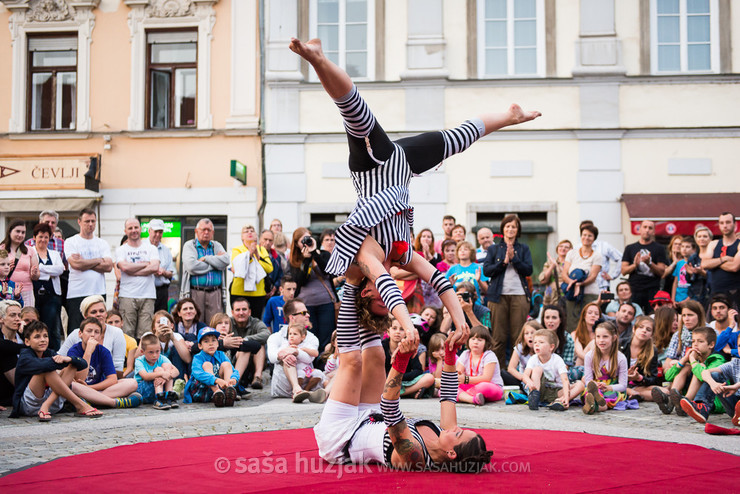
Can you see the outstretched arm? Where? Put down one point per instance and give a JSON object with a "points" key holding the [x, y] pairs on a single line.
{"points": [[406, 450], [449, 384], [370, 258], [425, 271]]}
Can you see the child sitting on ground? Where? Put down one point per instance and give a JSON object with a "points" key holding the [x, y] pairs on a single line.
{"points": [[478, 370], [546, 374], [115, 319], [308, 377], [330, 357], [700, 358], [642, 358], [8, 289], [722, 382], [98, 382], [212, 376], [155, 375], [415, 382], [604, 371], [436, 358], [523, 351], [39, 389]]}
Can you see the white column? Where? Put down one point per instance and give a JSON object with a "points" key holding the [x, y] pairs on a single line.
{"points": [[244, 79]]}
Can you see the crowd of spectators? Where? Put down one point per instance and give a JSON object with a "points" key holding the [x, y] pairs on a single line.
{"points": [[558, 332]]}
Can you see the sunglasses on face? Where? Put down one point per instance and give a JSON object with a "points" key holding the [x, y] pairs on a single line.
{"points": [[302, 313]]}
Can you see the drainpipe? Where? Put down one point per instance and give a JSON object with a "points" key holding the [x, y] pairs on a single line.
{"points": [[261, 129]]}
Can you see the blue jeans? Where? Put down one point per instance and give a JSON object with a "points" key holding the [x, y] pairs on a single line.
{"points": [[49, 306], [179, 364], [323, 322], [706, 395]]}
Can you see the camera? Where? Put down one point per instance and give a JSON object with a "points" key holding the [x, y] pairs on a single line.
{"points": [[466, 297], [607, 296], [307, 241]]}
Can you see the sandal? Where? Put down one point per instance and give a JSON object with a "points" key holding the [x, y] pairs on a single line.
{"points": [[420, 393], [44, 416], [93, 413]]}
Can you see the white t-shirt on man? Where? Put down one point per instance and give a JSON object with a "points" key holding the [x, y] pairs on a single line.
{"points": [[90, 282], [137, 286]]}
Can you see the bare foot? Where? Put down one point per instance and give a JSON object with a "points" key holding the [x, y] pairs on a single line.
{"points": [[310, 50], [520, 116]]}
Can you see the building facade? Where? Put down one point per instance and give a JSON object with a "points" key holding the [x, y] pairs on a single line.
{"points": [[134, 107], [640, 98]]}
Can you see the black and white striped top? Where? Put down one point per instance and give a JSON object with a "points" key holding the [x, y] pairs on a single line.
{"points": [[412, 424], [383, 210]]}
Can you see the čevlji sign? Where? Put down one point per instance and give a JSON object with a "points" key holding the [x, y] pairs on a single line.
{"points": [[43, 172]]}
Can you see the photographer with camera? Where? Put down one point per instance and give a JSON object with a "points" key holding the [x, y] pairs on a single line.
{"points": [[308, 265], [475, 314]]}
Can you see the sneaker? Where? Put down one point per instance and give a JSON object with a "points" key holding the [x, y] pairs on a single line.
{"points": [[317, 396], [257, 383], [593, 388], [557, 406], [172, 399], [534, 399], [697, 411], [229, 396], [241, 390], [131, 401], [589, 404], [664, 403], [179, 387], [161, 405], [676, 398], [300, 396], [736, 417], [219, 399], [479, 400]]}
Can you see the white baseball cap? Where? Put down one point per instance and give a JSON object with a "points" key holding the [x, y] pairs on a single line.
{"points": [[156, 225]]}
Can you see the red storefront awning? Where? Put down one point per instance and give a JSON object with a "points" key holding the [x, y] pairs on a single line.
{"points": [[680, 214]]}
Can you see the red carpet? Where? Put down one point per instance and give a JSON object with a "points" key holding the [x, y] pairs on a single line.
{"points": [[523, 461]]}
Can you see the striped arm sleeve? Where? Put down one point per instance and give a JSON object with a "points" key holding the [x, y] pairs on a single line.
{"points": [[461, 138], [448, 387], [439, 282], [389, 291], [358, 119], [391, 411]]}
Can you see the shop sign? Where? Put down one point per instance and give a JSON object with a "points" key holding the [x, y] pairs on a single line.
{"points": [[43, 172]]}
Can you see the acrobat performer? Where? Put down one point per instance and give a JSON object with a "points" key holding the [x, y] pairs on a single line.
{"points": [[377, 232]]}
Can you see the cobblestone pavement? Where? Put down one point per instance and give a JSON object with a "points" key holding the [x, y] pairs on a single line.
{"points": [[27, 442]]}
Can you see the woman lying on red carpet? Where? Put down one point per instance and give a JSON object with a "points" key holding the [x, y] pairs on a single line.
{"points": [[352, 430]]}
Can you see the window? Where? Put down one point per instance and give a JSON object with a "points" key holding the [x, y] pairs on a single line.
{"points": [[685, 36], [347, 32], [511, 38], [52, 83], [172, 79]]}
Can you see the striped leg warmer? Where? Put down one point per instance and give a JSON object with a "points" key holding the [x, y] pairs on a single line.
{"points": [[348, 334]]}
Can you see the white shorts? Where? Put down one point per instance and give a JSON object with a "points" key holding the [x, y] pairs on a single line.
{"points": [[338, 424], [31, 404], [280, 387]]}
